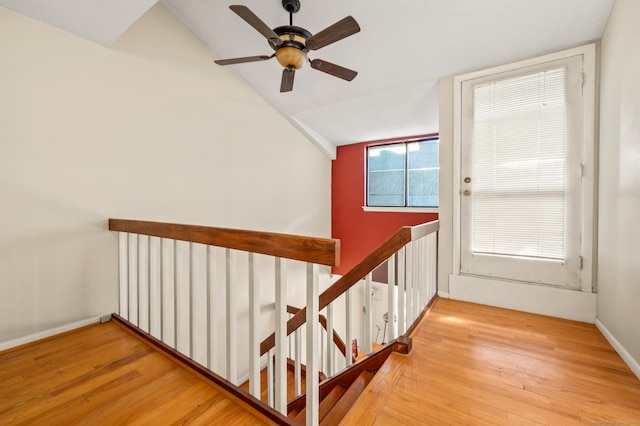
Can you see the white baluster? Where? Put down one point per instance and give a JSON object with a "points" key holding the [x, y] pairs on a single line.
{"points": [[331, 354], [210, 262], [402, 294], [424, 277], [312, 335], [155, 290], [424, 273], [232, 326], [190, 301], [433, 267], [199, 330], [321, 345], [254, 315], [143, 282], [123, 274], [391, 298], [183, 297], [416, 282], [367, 313], [347, 333], [297, 369], [270, 392], [133, 279], [168, 291], [281, 337], [409, 285]]}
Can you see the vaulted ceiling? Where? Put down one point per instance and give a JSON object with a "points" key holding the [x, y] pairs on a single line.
{"points": [[403, 49]]}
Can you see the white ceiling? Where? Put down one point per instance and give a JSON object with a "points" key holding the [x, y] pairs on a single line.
{"points": [[401, 53]]}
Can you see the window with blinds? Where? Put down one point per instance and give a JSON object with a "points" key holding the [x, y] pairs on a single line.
{"points": [[519, 166]]}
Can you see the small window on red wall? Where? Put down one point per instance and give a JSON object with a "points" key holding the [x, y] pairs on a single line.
{"points": [[403, 174]]}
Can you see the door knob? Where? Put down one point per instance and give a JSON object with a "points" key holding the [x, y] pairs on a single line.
{"points": [[467, 192], [467, 179]]}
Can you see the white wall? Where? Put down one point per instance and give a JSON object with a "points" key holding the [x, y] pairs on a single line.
{"points": [[150, 129], [619, 207]]}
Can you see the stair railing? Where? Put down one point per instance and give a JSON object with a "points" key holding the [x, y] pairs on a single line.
{"points": [[167, 288], [411, 256], [295, 348]]}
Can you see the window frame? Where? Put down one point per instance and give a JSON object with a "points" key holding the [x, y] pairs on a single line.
{"points": [[403, 209]]}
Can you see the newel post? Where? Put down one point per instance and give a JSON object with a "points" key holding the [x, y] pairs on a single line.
{"points": [[313, 328]]}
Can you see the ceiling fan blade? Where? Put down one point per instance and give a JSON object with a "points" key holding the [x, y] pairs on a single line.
{"points": [[341, 29], [245, 13], [242, 60], [286, 85], [333, 69]]}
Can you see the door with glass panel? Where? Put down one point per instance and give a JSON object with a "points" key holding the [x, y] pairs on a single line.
{"points": [[520, 200]]}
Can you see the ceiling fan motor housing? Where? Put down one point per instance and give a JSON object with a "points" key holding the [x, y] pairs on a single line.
{"points": [[292, 52]]}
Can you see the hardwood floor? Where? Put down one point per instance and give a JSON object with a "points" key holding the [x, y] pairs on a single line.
{"points": [[102, 374], [474, 364], [470, 364]]}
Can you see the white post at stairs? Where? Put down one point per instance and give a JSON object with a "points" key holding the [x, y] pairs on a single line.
{"points": [[281, 338], [313, 327]]}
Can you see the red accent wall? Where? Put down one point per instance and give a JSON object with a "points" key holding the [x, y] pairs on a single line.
{"points": [[360, 232]]}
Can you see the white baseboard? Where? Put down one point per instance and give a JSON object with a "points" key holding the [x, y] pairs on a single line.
{"points": [[556, 302], [47, 333], [626, 356], [443, 294]]}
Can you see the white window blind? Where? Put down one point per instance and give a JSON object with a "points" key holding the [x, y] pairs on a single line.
{"points": [[519, 166]]}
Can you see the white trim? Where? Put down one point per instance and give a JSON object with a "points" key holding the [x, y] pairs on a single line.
{"points": [[327, 147], [588, 248], [626, 356], [456, 162], [47, 333], [589, 170], [538, 299], [588, 49], [400, 209], [443, 294]]}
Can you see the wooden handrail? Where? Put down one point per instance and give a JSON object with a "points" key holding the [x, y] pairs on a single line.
{"points": [[322, 251]]}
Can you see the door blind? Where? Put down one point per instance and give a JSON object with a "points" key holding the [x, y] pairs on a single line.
{"points": [[519, 166]]}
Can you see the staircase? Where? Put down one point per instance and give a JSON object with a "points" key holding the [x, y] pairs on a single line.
{"points": [[171, 277], [339, 393], [337, 403]]}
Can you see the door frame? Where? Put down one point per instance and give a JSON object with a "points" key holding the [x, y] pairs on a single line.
{"points": [[589, 169]]}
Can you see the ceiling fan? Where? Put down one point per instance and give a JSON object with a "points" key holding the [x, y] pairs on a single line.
{"points": [[291, 44]]}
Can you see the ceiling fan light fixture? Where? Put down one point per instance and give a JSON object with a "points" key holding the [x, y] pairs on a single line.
{"points": [[291, 57], [292, 51]]}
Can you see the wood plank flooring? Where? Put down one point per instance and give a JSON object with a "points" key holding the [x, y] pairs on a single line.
{"points": [[102, 374], [474, 364], [470, 364]]}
